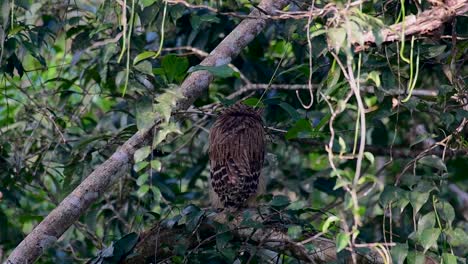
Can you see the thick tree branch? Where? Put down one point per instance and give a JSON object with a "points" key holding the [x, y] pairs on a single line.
{"points": [[105, 175], [426, 22]]}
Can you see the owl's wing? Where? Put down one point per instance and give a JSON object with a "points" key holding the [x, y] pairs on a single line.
{"points": [[235, 175]]}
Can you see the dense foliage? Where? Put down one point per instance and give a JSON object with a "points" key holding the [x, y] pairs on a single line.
{"points": [[78, 78]]}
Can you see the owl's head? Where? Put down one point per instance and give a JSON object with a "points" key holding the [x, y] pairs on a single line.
{"points": [[239, 109]]}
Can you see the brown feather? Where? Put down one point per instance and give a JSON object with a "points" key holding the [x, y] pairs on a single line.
{"points": [[237, 150]]}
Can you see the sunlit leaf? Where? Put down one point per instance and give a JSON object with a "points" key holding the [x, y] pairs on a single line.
{"points": [[428, 237], [222, 71], [142, 153], [342, 241]]}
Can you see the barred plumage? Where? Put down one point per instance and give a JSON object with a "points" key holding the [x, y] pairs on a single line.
{"points": [[237, 150]]}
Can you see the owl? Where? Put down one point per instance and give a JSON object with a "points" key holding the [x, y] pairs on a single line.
{"points": [[237, 152]]}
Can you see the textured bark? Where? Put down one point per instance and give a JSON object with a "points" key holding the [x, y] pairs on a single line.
{"points": [[425, 23], [75, 204]]}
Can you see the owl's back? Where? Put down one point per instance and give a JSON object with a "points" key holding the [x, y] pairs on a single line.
{"points": [[237, 149]]}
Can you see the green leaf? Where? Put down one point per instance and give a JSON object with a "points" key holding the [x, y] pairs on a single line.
{"points": [[144, 67], [193, 219], [254, 102], [302, 128], [142, 179], [164, 131], [426, 221], [342, 145], [428, 238], [295, 231], [143, 190], [318, 162], [145, 116], [328, 222], [418, 199], [174, 67], [291, 110], [399, 253], [415, 258], [156, 165], [431, 51], [156, 194], [140, 165], [223, 71], [375, 77], [394, 194], [280, 201], [342, 241], [123, 246], [223, 239], [446, 212], [457, 237], [448, 258], [433, 161], [143, 56], [369, 156], [147, 3], [141, 154]]}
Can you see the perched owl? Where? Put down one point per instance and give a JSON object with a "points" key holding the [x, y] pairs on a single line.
{"points": [[237, 150]]}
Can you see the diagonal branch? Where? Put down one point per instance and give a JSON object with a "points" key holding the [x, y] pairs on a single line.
{"points": [[105, 175]]}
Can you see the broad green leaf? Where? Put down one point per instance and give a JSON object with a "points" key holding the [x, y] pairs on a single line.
{"points": [[280, 201], [301, 128], [140, 165], [253, 102], [144, 67], [395, 195], [421, 138], [295, 231], [147, 3], [142, 179], [428, 238], [457, 237], [448, 258], [145, 116], [164, 131], [418, 199], [223, 239], [290, 110], [415, 258], [399, 253], [433, 161], [375, 77], [142, 190], [446, 212], [427, 221], [156, 165], [318, 161], [342, 241], [328, 222], [142, 153], [342, 145], [124, 245], [156, 194], [369, 156], [174, 67], [431, 51], [143, 56], [223, 71]]}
